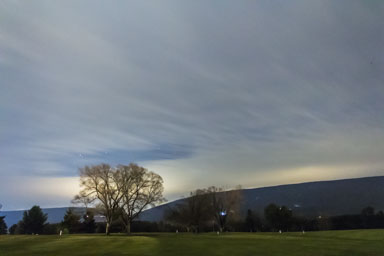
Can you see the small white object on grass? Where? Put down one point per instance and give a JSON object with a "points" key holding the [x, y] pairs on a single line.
{"points": [[280, 231], [61, 232]]}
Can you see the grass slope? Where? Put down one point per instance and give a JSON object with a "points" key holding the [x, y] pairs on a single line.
{"points": [[356, 242]]}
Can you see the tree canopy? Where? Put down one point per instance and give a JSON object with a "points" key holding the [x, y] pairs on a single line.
{"points": [[33, 221], [125, 189]]}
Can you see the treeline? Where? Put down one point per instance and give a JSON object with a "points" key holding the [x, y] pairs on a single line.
{"points": [[276, 218], [367, 219], [34, 221]]}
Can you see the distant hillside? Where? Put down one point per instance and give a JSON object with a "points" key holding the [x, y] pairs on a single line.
{"points": [[326, 198]]}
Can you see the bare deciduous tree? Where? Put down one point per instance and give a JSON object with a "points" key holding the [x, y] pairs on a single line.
{"points": [[125, 190], [206, 205], [98, 183], [225, 205], [140, 189], [192, 212], [82, 199]]}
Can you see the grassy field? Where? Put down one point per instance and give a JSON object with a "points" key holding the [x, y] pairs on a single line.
{"points": [[356, 242]]}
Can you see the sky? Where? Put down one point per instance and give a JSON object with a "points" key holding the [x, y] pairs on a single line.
{"points": [[224, 93]]}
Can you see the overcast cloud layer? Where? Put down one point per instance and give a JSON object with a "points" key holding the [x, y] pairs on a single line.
{"points": [[202, 92]]}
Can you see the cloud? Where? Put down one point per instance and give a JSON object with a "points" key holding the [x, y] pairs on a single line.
{"points": [[252, 93]]}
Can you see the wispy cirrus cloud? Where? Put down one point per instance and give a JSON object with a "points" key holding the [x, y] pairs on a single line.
{"points": [[224, 93]]}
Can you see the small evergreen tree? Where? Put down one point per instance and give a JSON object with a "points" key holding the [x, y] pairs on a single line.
{"points": [[71, 221], [13, 229], [368, 211], [3, 226], [368, 217], [89, 225], [278, 217], [51, 229], [33, 221], [252, 222]]}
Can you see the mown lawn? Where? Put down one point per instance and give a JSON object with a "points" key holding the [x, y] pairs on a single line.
{"points": [[349, 243]]}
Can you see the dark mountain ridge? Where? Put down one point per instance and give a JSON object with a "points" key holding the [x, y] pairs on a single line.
{"points": [[310, 199]]}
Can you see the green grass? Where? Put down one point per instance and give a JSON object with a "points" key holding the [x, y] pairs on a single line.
{"points": [[355, 242]]}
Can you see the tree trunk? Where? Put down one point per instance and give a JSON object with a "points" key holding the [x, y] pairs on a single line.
{"points": [[128, 228], [107, 232]]}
